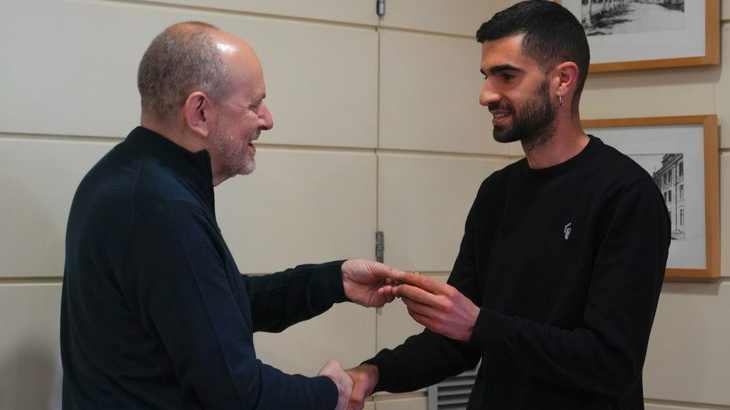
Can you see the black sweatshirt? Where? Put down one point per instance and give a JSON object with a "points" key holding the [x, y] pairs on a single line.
{"points": [[155, 314], [567, 264]]}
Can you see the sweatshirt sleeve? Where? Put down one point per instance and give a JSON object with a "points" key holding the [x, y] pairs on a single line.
{"points": [[285, 298], [403, 368], [177, 281]]}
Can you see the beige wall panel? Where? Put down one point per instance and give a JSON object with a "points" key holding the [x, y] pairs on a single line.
{"points": [[395, 325], [322, 82], [423, 201], [687, 359], [38, 178], [724, 214], [75, 73], [462, 18], [300, 206], [30, 363], [408, 403], [345, 333], [650, 93], [350, 11], [429, 95], [725, 9], [722, 96]]}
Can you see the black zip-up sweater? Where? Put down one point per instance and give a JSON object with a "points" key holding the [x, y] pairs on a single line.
{"points": [[155, 314], [567, 264]]}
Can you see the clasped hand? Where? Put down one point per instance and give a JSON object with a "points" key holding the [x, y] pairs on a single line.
{"points": [[438, 306], [353, 385], [369, 283]]}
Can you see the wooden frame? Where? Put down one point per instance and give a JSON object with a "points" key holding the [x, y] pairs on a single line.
{"points": [[692, 143], [696, 43]]}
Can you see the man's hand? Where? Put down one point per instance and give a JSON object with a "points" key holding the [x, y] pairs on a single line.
{"points": [[369, 283], [365, 377], [438, 306], [333, 369]]}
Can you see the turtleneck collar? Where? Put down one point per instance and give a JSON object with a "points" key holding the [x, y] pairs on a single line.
{"points": [[193, 166]]}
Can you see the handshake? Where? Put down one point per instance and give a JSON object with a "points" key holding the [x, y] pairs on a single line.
{"points": [[438, 306], [353, 385]]}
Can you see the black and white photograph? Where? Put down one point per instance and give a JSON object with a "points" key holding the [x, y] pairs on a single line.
{"points": [[668, 173], [615, 17], [647, 34], [680, 154]]}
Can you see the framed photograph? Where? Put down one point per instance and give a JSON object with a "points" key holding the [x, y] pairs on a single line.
{"points": [[681, 154], [641, 34]]}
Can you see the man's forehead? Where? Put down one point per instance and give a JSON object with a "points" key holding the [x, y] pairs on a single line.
{"points": [[505, 51], [512, 43]]}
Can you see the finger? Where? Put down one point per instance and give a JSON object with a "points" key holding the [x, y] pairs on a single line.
{"points": [[330, 368], [419, 312], [389, 272], [388, 291], [424, 282], [419, 317], [416, 294], [384, 296], [356, 405], [357, 399]]}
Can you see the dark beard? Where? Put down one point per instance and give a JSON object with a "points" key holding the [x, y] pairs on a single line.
{"points": [[534, 125]]}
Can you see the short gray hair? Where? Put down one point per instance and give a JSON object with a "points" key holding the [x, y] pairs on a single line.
{"points": [[179, 61]]}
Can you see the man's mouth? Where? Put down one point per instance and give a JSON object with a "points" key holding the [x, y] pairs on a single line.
{"points": [[499, 112], [500, 117]]}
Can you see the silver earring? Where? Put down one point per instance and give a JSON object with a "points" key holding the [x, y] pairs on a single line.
{"points": [[560, 100]]}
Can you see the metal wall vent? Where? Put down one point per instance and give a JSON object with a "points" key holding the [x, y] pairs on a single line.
{"points": [[452, 393]]}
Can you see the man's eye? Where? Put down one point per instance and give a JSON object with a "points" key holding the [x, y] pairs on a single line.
{"points": [[507, 77]]}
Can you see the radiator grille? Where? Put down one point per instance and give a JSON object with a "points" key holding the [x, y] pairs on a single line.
{"points": [[452, 393]]}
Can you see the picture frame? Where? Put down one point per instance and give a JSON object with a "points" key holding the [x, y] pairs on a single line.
{"points": [[681, 153], [672, 38]]}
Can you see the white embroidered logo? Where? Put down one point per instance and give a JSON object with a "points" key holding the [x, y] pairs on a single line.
{"points": [[567, 230]]}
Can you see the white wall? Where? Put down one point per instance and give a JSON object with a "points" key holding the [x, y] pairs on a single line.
{"points": [[377, 127]]}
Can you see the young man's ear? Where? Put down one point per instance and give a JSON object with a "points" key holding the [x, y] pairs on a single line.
{"points": [[567, 77], [198, 113]]}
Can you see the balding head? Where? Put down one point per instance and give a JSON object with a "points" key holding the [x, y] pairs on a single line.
{"points": [[182, 59], [204, 89]]}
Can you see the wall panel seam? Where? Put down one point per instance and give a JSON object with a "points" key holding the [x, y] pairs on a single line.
{"points": [[442, 153], [40, 280], [685, 404], [243, 13], [427, 32], [7, 135]]}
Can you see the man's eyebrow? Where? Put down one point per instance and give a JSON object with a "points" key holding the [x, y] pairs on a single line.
{"points": [[502, 68]]}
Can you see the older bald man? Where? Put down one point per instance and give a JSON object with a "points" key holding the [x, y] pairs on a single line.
{"points": [[155, 314]]}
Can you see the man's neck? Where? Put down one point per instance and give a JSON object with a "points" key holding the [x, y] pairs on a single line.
{"points": [[189, 142], [563, 146]]}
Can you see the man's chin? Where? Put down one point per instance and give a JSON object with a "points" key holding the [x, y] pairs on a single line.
{"points": [[504, 136], [248, 169]]}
